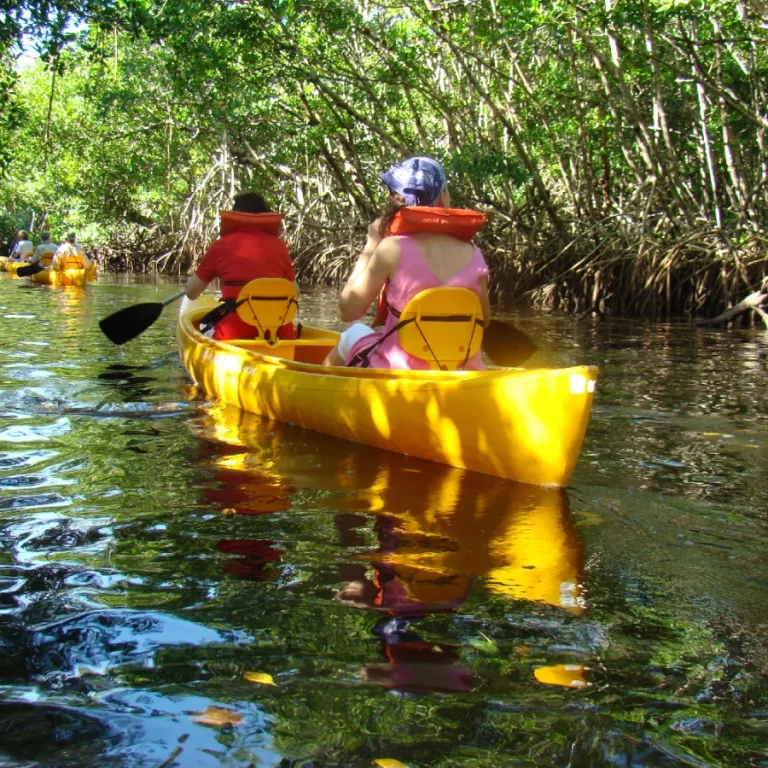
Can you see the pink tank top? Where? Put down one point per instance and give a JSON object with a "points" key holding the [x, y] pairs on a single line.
{"points": [[412, 276]]}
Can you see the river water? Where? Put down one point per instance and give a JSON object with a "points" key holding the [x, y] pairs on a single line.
{"points": [[183, 584]]}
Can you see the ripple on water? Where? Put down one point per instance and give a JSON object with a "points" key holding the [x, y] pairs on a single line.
{"points": [[35, 501], [49, 533], [21, 459], [22, 433], [32, 481], [101, 640]]}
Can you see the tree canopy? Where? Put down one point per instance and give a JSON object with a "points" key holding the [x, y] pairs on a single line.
{"points": [[620, 147]]}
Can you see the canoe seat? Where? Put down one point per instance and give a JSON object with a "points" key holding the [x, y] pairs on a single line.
{"points": [[267, 303], [442, 326]]}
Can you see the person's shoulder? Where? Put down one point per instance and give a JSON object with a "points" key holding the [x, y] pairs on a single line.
{"points": [[388, 250], [391, 243], [218, 245]]}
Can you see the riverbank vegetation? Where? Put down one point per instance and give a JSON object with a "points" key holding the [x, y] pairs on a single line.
{"points": [[620, 147]]}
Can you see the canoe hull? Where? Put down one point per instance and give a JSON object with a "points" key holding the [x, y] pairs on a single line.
{"points": [[523, 425], [11, 267], [64, 277]]}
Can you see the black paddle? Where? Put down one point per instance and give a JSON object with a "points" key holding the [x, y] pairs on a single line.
{"points": [[128, 323], [29, 270], [506, 345]]}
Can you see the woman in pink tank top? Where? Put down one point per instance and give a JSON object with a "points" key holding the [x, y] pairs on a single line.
{"points": [[405, 265]]}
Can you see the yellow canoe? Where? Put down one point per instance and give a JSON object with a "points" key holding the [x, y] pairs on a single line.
{"points": [[523, 425], [12, 266], [65, 276]]}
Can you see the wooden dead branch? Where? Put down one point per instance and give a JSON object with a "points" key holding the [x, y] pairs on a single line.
{"points": [[752, 302]]}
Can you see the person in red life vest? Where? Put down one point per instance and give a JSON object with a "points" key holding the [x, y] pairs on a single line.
{"points": [[417, 250], [248, 248]]}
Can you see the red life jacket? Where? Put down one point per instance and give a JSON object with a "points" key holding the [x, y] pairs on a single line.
{"points": [[236, 221], [232, 327]]}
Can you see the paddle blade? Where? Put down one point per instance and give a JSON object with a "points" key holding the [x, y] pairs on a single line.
{"points": [[128, 323], [506, 345], [30, 269]]}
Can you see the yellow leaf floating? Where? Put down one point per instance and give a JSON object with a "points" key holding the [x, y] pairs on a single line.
{"points": [[388, 762], [259, 677], [217, 716], [567, 675]]}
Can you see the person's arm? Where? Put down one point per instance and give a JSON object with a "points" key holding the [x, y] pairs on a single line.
{"points": [[35, 256], [194, 287], [367, 279], [371, 244], [485, 302], [207, 271]]}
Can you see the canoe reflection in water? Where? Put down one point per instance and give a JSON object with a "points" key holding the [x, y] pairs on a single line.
{"points": [[439, 530], [242, 486]]}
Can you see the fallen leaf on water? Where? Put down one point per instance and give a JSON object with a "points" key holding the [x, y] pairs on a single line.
{"points": [[259, 677], [217, 716], [388, 762], [566, 675]]}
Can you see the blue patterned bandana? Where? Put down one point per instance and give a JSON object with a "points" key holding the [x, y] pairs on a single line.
{"points": [[420, 180]]}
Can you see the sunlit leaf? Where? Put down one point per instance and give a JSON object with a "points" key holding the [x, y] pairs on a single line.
{"points": [[388, 762], [217, 716], [566, 675], [484, 644], [259, 677]]}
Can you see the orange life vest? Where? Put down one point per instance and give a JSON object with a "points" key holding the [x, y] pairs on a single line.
{"points": [[461, 223], [232, 221]]}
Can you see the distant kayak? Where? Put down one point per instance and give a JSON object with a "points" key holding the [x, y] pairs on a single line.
{"points": [[12, 266], [523, 425], [65, 276]]}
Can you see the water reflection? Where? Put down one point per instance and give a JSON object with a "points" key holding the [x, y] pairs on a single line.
{"points": [[436, 531], [148, 565]]}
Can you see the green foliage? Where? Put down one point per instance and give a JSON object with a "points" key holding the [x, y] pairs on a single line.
{"points": [[558, 117]]}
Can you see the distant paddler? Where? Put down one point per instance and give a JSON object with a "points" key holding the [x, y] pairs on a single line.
{"points": [[43, 254], [23, 248], [70, 255]]}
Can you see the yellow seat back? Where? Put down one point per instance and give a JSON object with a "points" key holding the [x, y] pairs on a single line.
{"points": [[268, 303], [74, 262], [446, 327]]}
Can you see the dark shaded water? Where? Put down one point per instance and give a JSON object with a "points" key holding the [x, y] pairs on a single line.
{"points": [[161, 556]]}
